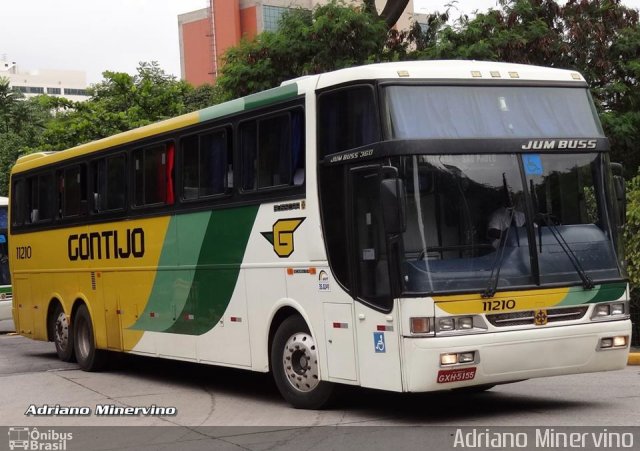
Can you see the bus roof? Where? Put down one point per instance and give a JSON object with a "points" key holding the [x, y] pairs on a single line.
{"points": [[449, 70], [407, 70]]}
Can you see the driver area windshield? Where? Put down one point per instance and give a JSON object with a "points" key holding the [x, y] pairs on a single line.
{"points": [[469, 222]]}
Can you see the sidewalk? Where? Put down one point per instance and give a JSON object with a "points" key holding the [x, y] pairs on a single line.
{"points": [[634, 356]]}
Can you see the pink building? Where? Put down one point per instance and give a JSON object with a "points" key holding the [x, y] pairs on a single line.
{"points": [[207, 33]]}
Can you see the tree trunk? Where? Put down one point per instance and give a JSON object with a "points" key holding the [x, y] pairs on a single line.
{"points": [[391, 12]]}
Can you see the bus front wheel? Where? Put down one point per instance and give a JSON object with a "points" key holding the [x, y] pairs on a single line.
{"points": [[89, 358], [62, 334], [295, 368]]}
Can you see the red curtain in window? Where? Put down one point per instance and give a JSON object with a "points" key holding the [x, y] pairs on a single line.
{"points": [[171, 150]]}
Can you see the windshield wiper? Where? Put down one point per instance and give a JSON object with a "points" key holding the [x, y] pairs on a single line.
{"points": [[490, 291], [587, 282]]}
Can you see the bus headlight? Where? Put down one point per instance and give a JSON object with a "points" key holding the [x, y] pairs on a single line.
{"points": [[446, 324], [466, 322], [601, 310], [617, 342], [610, 311], [460, 324], [458, 358], [617, 309]]}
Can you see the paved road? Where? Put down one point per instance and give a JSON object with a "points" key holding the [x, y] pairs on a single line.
{"points": [[30, 373]]}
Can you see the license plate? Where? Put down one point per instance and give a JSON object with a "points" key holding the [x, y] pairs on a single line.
{"points": [[457, 375]]}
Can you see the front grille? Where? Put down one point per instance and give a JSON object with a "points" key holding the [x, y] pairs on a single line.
{"points": [[527, 318]]}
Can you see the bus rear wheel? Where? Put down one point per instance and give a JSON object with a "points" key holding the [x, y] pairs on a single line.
{"points": [[62, 334], [89, 358], [295, 368]]}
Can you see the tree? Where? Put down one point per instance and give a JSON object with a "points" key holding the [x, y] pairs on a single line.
{"points": [[119, 103], [332, 36]]}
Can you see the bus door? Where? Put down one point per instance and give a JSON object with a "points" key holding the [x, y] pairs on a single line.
{"points": [[376, 322]]}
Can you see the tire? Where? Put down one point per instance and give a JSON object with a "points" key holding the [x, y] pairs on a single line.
{"points": [[62, 334], [89, 358], [294, 364]]}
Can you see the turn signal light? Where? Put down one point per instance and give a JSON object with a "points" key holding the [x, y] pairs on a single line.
{"points": [[420, 325]]}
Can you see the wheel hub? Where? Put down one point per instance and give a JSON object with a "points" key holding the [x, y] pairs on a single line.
{"points": [[62, 331], [300, 361]]}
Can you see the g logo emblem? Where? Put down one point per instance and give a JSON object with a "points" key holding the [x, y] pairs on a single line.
{"points": [[281, 236]]}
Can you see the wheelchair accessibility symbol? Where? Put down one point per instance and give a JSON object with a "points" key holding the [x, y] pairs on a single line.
{"points": [[532, 164], [378, 341]]}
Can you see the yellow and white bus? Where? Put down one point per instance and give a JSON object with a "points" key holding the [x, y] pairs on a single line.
{"points": [[409, 226]]}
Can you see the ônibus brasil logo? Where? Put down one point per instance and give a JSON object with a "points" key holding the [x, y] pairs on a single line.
{"points": [[34, 439]]}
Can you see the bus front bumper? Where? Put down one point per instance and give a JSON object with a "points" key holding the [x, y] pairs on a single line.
{"points": [[513, 355]]}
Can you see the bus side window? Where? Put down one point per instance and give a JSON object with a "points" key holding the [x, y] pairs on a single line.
{"points": [[39, 207], [215, 164], [207, 165], [116, 181], [272, 151], [153, 172], [297, 147], [45, 196], [108, 179], [347, 119], [248, 154], [18, 203], [74, 191]]}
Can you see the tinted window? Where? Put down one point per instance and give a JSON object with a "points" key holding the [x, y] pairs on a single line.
{"points": [[18, 202], [108, 183], [153, 173], [272, 151], [207, 165], [348, 119], [74, 191]]}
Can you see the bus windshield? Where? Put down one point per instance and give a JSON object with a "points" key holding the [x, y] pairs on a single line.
{"points": [[427, 112], [470, 218]]}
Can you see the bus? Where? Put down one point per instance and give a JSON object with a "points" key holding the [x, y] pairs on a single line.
{"points": [[409, 227], [5, 277]]}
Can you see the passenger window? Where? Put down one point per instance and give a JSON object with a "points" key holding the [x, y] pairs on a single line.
{"points": [[207, 165], [272, 151], [153, 167], [347, 119], [109, 180], [18, 202], [39, 199], [72, 191]]}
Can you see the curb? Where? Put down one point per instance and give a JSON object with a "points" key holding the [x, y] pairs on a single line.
{"points": [[634, 358]]}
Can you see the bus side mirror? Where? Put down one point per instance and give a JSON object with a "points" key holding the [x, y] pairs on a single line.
{"points": [[620, 191], [392, 199]]}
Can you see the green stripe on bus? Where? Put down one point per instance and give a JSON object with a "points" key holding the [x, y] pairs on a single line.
{"points": [[215, 278], [610, 292], [220, 110], [280, 93], [601, 293], [5, 289], [171, 287]]}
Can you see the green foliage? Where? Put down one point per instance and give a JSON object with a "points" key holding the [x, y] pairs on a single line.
{"points": [[332, 36], [119, 103], [632, 230]]}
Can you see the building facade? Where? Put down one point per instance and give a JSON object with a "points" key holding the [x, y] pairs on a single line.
{"points": [[70, 84], [207, 33]]}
